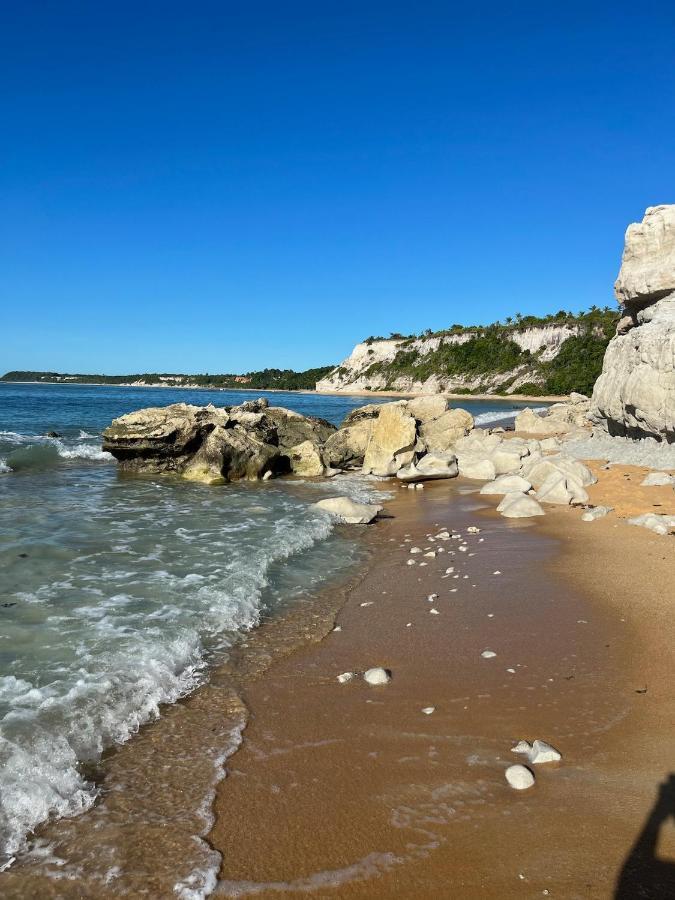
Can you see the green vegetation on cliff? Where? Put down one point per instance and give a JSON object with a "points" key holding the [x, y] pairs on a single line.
{"points": [[490, 351]]}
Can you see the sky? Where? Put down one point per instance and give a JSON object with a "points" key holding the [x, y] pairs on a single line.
{"points": [[221, 187]]}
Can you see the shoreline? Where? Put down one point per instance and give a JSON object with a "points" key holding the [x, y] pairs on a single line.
{"points": [[336, 753], [500, 398]]}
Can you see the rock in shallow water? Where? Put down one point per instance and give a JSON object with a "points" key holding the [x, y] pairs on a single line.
{"points": [[519, 506], [349, 511]]}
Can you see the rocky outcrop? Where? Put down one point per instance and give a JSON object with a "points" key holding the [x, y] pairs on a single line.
{"points": [[218, 444], [560, 418], [392, 441], [635, 394]]}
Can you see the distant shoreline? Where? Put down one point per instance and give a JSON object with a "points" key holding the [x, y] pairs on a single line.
{"points": [[500, 398]]}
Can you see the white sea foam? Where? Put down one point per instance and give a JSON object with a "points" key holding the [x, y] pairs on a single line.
{"points": [[4, 468], [497, 415], [131, 624], [83, 451]]}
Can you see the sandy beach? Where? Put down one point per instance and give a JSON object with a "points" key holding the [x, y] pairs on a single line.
{"points": [[408, 804]]}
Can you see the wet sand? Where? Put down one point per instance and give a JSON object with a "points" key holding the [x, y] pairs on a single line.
{"points": [[352, 791]]}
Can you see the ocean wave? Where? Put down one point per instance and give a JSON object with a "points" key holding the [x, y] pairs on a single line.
{"points": [[33, 452], [129, 660], [83, 451], [497, 415]]}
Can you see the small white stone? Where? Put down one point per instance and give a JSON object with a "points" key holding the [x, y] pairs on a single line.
{"points": [[434, 612], [415, 549], [473, 530], [488, 654], [496, 572], [428, 710], [367, 603], [346, 677], [519, 777], [431, 554], [378, 675], [410, 562], [338, 628]]}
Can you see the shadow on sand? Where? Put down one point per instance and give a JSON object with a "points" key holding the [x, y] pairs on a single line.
{"points": [[644, 876]]}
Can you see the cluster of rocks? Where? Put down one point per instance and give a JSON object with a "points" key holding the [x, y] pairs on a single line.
{"points": [[255, 440], [635, 394], [219, 444], [415, 440]]}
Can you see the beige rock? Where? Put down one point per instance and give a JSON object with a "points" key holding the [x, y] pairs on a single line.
{"points": [[531, 422], [424, 409], [507, 484], [349, 511], [431, 466], [347, 447], [519, 506], [444, 431], [635, 393], [392, 441], [480, 468], [305, 459]]}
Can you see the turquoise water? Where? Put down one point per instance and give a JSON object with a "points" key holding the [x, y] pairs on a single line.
{"points": [[116, 594]]}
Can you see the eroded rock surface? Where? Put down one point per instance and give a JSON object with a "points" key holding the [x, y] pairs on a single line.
{"points": [[635, 394]]}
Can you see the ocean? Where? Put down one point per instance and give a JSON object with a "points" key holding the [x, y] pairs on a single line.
{"points": [[118, 595]]}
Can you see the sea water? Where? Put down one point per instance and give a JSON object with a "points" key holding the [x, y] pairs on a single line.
{"points": [[118, 593]]}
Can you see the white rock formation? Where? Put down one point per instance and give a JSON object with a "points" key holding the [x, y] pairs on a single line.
{"points": [[431, 466], [598, 512], [658, 479], [349, 511], [658, 524], [635, 394], [507, 484], [392, 441], [537, 752], [519, 506]]}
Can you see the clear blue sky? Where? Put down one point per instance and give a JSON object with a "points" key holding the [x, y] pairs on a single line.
{"points": [[213, 187]]}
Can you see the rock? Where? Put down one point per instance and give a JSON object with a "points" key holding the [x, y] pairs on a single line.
{"points": [[360, 414], [488, 654], [538, 752], [519, 506], [230, 454], [442, 432], [349, 511], [648, 263], [477, 467], [635, 393], [305, 459], [392, 441], [431, 466], [346, 448], [53, 434], [519, 777], [658, 479], [531, 422], [506, 461], [598, 512], [378, 675], [507, 484], [428, 710], [559, 489], [346, 677], [550, 443], [657, 523], [292, 428], [426, 408]]}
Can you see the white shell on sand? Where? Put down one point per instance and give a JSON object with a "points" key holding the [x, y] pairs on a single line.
{"points": [[519, 777], [488, 654], [428, 710], [378, 675], [346, 677]]}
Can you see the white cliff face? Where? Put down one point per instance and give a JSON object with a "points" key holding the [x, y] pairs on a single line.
{"points": [[353, 373], [635, 394]]}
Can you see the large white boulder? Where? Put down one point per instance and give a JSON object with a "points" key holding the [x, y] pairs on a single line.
{"points": [[519, 506], [507, 484], [479, 467], [305, 459], [346, 510], [430, 466], [635, 394], [443, 431], [392, 441], [659, 524]]}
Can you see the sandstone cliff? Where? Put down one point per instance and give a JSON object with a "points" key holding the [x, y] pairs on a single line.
{"points": [[635, 394], [496, 358]]}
